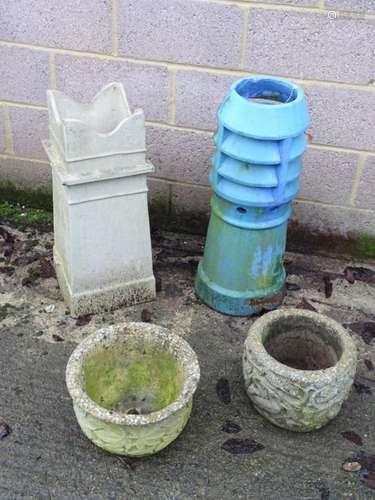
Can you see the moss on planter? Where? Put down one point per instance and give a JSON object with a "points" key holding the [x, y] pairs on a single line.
{"points": [[144, 376], [132, 381]]}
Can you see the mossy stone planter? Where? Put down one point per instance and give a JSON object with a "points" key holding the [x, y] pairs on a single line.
{"points": [[132, 387], [298, 368]]}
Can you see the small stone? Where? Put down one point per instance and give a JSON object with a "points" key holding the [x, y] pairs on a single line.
{"points": [[351, 466], [50, 308]]}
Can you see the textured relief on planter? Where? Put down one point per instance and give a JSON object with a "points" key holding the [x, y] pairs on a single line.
{"points": [[132, 387], [298, 368], [132, 441]]}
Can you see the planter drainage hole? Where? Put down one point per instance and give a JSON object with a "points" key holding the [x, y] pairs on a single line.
{"points": [[241, 210], [302, 344], [267, 91]]}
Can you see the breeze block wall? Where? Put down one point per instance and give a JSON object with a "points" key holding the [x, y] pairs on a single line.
{"points": [[177, 59]]}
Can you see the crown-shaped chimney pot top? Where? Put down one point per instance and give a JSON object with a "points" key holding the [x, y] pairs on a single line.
{"points": [[103, 127]]}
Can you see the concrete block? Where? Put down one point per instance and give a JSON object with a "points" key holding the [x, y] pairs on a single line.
{"points": [[185, 31], [146, 86], [29, 127], [328, 176], [311, 46], [366, 191], [26, 174], [191, 200], [69, 24], [341, 116], [180, 155], [367, 6], [338, 221], [190, 208], [24, 74], [198, 96]]}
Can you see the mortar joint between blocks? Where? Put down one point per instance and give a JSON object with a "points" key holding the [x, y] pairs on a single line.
{"points": [[357, 178], [245, 28], [172, 99], [9, 144], [335, 206], [16, 104], [9, 156]]}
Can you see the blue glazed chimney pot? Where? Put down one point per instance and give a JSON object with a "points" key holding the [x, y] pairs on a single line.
{"points": [[255, 177]]}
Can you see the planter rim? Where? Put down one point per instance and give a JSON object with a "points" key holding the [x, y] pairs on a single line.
{"points": [[135, 329], [254, 339]]}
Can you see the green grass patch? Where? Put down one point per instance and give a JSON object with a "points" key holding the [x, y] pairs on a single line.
{"points": [[24, 216]]}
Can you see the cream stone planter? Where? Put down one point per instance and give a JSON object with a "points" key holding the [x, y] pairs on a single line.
{"points": [[132, 387], [298, 368]]}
